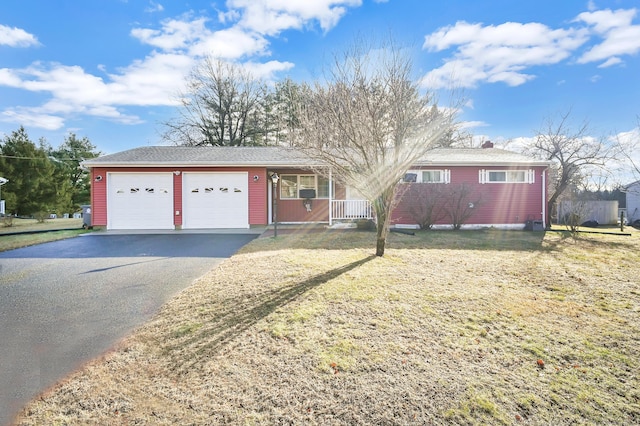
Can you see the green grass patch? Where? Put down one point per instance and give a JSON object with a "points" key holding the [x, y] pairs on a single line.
{"points": [[29, 225], [11, 242]]}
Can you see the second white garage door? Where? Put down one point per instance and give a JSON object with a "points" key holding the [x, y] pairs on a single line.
{"points": [[215, 200]]}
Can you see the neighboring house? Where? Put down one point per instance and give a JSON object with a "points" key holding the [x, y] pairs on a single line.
{"points": [[632, 192], [170, 187]]}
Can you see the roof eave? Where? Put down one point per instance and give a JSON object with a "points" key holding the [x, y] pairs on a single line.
{"points": [[174, 164], [484, 163]]}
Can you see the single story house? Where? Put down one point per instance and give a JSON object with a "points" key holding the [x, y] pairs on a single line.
{"points": [[177, 187]]}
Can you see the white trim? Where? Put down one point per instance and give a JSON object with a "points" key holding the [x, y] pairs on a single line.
{"points": [[484, 176], [544, 198], [316, 186], [445, 175]]}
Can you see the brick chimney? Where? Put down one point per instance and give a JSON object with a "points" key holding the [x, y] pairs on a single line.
{"points": [[487, 144]]}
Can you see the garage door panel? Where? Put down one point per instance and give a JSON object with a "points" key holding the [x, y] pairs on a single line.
{"points": [[140, 201], [215, 200]]}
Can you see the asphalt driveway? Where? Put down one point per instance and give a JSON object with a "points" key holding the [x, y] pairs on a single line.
{"points": [[66, 302]]}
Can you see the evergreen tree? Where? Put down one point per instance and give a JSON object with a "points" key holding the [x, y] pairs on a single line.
{"points": [[31, 186], [67, 159]]}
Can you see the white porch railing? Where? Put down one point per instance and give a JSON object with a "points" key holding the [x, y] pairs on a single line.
{"points": [[350, 209]]}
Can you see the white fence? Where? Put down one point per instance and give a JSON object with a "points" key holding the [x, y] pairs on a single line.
{"points": [[351, 209], [604, 212]]}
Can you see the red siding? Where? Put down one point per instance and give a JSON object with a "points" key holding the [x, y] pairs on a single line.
{"points": [[257, 190], [98, 197], [177, 199], [294, 211], [497, 203], [258, 196]]}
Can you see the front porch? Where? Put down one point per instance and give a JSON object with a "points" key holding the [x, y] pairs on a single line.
{"points": [[299, 197], [350, 210]]}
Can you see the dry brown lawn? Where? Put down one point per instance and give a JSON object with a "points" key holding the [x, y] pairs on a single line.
{"points": [[486, 327]]}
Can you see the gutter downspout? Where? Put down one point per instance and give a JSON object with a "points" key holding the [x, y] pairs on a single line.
{"points": [[544, 199]]}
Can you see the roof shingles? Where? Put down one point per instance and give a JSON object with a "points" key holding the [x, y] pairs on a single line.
{"points": [[150, 156]]}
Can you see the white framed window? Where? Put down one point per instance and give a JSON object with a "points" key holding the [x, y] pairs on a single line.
{"points": [[506, 176], [433, 176], [428, 176], [323, 187], [291, 185]]}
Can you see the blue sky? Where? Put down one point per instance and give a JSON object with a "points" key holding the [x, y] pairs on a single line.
{"points": [[110, 69]]}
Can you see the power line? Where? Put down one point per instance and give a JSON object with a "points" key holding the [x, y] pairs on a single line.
{"points": [[23, 158]]}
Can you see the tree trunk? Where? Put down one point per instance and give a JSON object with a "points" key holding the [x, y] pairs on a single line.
{"points": [[382, 207], [381, 239]]}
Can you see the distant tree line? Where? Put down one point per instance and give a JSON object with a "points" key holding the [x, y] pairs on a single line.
{"points": [[43, 179], [224, 104]]}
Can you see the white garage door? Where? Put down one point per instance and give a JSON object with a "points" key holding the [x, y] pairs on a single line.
{"points": [[140, 201], [215, 200]]}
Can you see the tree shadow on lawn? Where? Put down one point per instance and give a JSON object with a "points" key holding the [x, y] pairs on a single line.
{"points": [[237, 316], [484, 239], [593, 238]]}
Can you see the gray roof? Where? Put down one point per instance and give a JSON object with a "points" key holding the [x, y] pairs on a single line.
{"points": [[173, 156], [477, 157]]}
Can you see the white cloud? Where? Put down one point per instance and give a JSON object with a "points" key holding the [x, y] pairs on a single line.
{"points": [[16, 37], [518, 144], [629, 164], [154, 7], [620, 36], [174, 33], [498, 53], [231, 43], [610, 62], [28, 118], [270, 17], [154, 80], [472, 124], [267, 70]]}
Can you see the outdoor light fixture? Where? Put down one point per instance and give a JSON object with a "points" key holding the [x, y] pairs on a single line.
{"points": [[275, 178], [177, 172], [256, 178], [98, 178]]}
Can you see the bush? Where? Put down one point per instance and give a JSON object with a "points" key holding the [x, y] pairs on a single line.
{"points": [[41, 217], [365, 224], [7, 221]]}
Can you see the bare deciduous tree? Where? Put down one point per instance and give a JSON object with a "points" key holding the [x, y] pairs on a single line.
{"points": [[426, 203], [219, 107], [573, 152], [460, 203], [628, 145], [368, 122]]}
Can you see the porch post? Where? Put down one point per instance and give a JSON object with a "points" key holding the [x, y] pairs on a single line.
{"points": [[330, 198]]}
